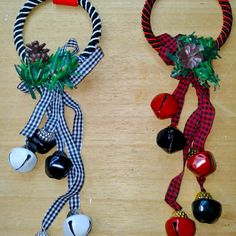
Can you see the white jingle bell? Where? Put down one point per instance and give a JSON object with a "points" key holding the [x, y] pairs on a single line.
{"points": [[77, 225], [22, 159]]}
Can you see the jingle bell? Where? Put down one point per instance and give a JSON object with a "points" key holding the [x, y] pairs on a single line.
{"points": [[180, 226], [205, 209], [77, 225], [22, 159], [202, 163], [57, 165], [41, 142], [171, 139], [164, 106]]}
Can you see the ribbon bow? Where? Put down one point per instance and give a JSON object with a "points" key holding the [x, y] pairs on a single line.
{"points": [[52, 103]]}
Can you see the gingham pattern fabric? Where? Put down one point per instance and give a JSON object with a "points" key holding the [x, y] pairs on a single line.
{"points": [[53, 103], [179, 94], [74, 154], [77, 135], [199, 124], [196, 131], [31, 4]]}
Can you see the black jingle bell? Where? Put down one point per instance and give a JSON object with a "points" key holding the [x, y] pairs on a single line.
{"points": [[41, 142], [57, 165], [206, 210], [171, 139]]}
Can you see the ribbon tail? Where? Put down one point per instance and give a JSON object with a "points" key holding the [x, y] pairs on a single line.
{"points": [[37, 114], [179, 94], [207, 117], [77, 135], [173, 191], [78, 178], [77, 132]]}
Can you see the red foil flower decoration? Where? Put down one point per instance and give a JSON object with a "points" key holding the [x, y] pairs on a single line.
{"points": [[190, 55]]}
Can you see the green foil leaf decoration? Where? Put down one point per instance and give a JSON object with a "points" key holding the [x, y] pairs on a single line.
{"points": [[191, 49], [53, 74]]}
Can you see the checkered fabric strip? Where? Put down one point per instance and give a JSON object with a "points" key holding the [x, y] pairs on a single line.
{"points": [[77, 135], [190, 128], [193, 133], [173, 192], [50, 125], [207, 116], [31, 4], [42, 233], [169, 46], [201, 181], [72, 43], [52, 118], [173, 189], [157, 41], [87, 66], [179, 94], [38, 113], [76, 175], [78, 178]]}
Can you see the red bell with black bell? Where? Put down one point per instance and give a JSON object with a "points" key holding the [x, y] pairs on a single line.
{"points": [[201, 163], [180, 226], [164, 106]]}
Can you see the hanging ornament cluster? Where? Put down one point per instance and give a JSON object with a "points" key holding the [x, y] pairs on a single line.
{"points": [[48, 75], [192, 58]]}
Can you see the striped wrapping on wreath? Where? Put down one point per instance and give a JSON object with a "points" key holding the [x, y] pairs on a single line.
{"points": [[199, 124], [157, 41], [31, 4]]}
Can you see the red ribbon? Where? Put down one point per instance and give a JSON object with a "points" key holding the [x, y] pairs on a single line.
{"points": [[66, 2]]}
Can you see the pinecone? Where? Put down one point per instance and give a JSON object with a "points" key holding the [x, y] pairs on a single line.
{"points": [[35, 51]]}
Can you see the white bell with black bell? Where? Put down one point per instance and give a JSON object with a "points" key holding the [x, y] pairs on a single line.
{"points": [[77, 225], [22, 160]]}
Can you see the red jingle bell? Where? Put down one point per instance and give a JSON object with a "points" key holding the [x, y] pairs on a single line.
{"points": [[202, 163], [164, 106], [180, 226]]}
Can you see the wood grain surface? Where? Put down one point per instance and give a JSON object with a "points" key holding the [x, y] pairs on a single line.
{"points": [[126, 173]]}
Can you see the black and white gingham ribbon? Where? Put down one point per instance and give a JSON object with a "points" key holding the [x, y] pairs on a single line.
{"points": [[52, 104]]}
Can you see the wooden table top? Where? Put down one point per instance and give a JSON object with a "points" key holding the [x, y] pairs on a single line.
{"points": [[126, 173]]}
